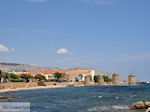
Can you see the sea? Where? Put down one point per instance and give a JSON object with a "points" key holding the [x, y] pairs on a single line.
{"points": [[83, 99]]}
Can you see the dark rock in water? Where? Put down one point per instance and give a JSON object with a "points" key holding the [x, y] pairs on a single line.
{"points": [[9, 97], [141, 106], [147, 104], [138, 106]]}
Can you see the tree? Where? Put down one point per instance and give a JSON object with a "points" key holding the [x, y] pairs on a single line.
{"points": [[76, 79], [40, 77], [26, 77], [9, 76], [90, 77], [1, 75], [81, 76], [6, 76], [96, 77], [13, 76], [57, 75], [106, 78]]}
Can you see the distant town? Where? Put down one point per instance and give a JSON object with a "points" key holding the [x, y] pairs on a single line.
{"points": [[61, 78]]}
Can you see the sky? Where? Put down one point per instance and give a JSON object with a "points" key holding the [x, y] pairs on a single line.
{"points": [[108, 35]]}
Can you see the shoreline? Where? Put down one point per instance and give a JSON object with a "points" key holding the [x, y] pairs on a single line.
{"points": [[30, 88], [48, 87]]}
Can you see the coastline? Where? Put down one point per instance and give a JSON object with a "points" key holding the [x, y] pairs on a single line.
{"points": [[49, 87], [30, 88]]}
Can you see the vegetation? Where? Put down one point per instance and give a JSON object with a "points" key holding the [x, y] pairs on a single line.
{"points": [[58, 76], [80, 75], [90, 77], [13, 76], [9, 76], [96, 77], [50, 80], [19, 80], [6, 75], [40, 77], [26, 77], [106, 78], [76, 79]]}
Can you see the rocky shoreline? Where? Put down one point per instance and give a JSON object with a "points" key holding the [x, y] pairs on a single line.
{"points": [[141, 106]]}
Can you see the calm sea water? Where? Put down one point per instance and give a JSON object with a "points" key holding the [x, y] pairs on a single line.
{"points": [[83, 99]]}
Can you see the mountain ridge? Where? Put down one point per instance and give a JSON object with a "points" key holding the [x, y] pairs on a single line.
{"points": [[10, 67]]}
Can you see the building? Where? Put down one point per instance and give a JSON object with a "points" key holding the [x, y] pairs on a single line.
{"points": [[115, 78], [48, 74], [80, 75], [132, 80], [67, 75]]}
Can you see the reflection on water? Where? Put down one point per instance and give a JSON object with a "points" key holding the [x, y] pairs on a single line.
{"points": [[84, 99]]}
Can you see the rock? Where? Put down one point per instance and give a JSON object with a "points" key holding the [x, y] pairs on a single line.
{"points": [[148, 110], [138, 105], [147, 104]]}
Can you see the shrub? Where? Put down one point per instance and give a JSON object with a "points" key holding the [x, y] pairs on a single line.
{"points": [[19, 80], [106, 78], [50, 80], [76, 79], [96, 77], [58, 76]]}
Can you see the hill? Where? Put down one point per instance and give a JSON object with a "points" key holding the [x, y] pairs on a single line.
{"points": [[9, 67]]}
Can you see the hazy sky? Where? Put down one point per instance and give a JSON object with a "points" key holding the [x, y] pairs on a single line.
{"points": [[109, 35]]}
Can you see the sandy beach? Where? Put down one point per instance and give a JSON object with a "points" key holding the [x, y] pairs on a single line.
{"points": [[32, 88]]}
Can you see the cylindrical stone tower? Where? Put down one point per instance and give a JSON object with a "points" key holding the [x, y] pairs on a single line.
{"points": [[115, 79], [87, 80], [132, 80], [101, 81]]}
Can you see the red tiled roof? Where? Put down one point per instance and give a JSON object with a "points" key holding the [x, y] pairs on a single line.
{"points": [[29, 73], [52, 72], [79, 71], [48, 72]]}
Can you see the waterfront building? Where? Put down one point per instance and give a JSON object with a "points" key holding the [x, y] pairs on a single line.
{"points": [[67, 75], [80, 75], [101, 81], [132, 80], [49, 74], [115, 79], [87, 80]]}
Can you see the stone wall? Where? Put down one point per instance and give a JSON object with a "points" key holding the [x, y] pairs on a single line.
{"points": [[13, 85], [32, 84], [57, 83]]}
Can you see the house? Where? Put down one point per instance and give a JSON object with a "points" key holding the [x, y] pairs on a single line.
{"points": [[66, 75], [80, 75], [48, 74]]}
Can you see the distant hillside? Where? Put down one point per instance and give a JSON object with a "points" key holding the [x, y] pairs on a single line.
{"points": [[10, 64], [9, 67]]}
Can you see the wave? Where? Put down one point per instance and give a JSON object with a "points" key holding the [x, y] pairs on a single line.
{"points": [[115, 108]]}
